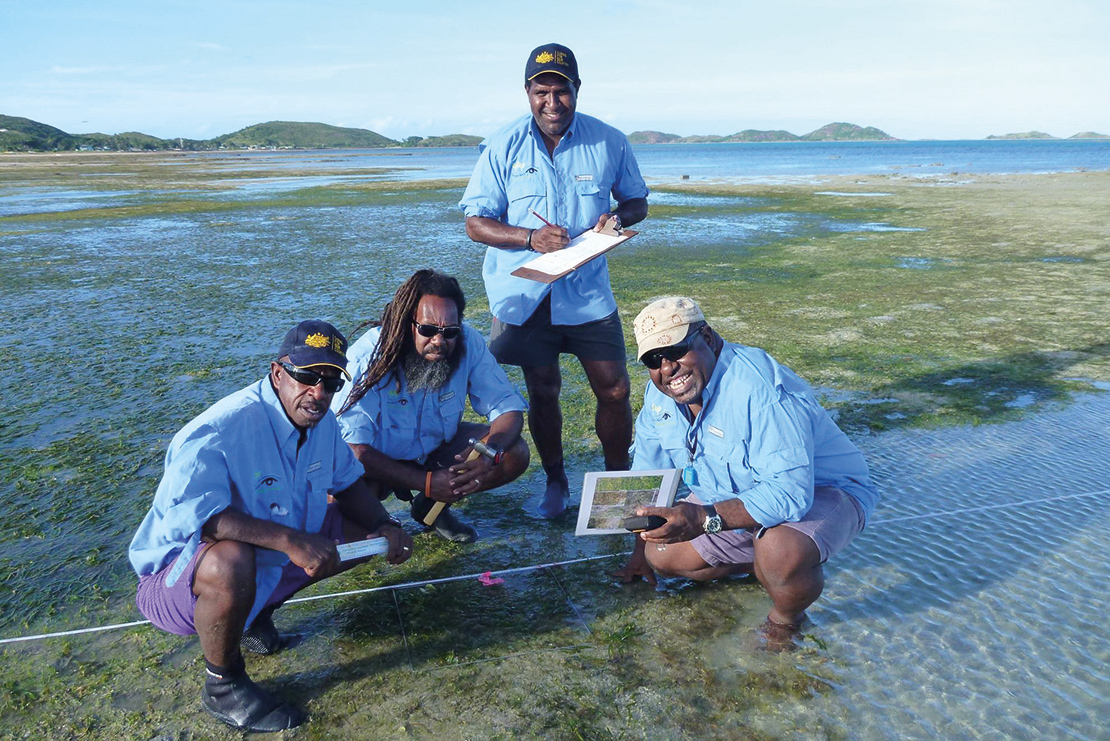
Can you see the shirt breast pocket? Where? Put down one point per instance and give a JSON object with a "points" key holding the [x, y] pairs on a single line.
{"points": [[319, 481], [731, 460], [589, 190], [530, 190], [673, 442], [400, 419], [450, 414]]}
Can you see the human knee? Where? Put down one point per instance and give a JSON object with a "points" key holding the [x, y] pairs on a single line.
{"points": [[516, 460], [786, 556], [227, 566], [616, 392]]}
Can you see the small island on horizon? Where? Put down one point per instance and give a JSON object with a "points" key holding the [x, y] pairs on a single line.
{"points": [[25, 135]]}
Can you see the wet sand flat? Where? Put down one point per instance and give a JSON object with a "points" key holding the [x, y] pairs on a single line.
{"points": [[955, 324]]}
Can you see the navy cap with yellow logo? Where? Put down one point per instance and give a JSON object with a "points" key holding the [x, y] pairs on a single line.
{"points": [[313, 343], [552, 58]]}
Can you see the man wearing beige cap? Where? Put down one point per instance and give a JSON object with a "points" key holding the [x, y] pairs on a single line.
{"points": [[776, 488]]}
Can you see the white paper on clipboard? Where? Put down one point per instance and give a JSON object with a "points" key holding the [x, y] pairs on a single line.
{"points": [[551, 266]]}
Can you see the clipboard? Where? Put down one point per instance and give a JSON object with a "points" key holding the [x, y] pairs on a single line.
{"points": [[551, 266]]}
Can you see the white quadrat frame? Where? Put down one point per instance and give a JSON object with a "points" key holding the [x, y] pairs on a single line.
{"points": [[666, 485]]}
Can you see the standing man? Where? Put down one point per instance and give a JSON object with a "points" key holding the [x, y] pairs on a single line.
{"points": [[776, 487], [241, 520], [403, 418], [539, 182]]}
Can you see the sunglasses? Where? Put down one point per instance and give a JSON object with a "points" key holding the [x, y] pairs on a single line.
{"points": [[311, 378], [431, 330], [654, 359]]}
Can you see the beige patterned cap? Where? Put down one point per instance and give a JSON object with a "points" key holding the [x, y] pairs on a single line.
{"points": [[664, 322]]}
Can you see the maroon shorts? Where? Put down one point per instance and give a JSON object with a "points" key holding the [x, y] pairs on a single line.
{"points": [[833, 520], [172, 608]]}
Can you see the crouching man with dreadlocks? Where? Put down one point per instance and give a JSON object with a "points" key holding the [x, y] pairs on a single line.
{"points": [[403, 415]]}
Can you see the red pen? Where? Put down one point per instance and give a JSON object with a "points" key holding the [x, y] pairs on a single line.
{"points": [[542, 219]]}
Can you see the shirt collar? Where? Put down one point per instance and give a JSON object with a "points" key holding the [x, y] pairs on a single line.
{"points": [[724, 360], [534, 130], [279, 420]]}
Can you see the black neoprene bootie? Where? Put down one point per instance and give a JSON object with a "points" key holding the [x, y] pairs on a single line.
{"points": [[241, 703]]}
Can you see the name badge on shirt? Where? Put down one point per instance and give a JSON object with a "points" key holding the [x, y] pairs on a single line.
{"points": [[714, 431], [314, 466], [583, 178], [448, 396]]}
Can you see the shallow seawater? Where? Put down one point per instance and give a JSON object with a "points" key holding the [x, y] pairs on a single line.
{"points": [[948, 617], [975, 601]]}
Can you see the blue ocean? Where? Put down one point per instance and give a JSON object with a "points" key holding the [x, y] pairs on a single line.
{"points": [[709, 162]]}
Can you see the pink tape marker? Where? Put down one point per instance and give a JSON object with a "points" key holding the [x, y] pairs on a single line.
{"points": [[488, 580]]}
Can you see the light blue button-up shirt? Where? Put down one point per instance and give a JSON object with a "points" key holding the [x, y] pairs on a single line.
{"points": [[514, 175], [408, 426], [241, 453], [760, 437]]}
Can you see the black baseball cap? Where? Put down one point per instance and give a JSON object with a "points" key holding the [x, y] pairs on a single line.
{"points": [[314, 342], [552, 58]]}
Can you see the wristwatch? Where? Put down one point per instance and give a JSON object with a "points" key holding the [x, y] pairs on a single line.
{"points": [[712, 522]]}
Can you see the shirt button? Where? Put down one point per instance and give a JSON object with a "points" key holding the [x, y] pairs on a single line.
{"points": [[404, 401]]}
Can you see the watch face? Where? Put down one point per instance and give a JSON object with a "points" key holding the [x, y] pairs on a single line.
{"points": [[713, 524]]}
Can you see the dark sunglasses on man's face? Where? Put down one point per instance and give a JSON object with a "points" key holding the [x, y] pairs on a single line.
{"points": [[431, 330], [311, 377], [654, 359]]}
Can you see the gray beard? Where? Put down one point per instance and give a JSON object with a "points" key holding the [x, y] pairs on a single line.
{"points": [[423, 374]]}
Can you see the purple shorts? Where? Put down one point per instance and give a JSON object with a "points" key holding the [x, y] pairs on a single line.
{"points": [[833, 520], [171, 608]]}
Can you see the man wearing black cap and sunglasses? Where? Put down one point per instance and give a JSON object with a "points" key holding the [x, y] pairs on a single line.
{"points": [[241, 520], [403, 416], [776, 488], [539, 182]]}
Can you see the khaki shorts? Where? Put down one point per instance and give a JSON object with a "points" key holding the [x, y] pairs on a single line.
{"points": [[833, 520]]}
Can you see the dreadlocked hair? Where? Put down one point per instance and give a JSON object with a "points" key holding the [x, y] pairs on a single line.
{"points": [[395, 321]]}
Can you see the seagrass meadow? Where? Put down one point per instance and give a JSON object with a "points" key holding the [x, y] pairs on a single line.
{"points": [[139, 289]]}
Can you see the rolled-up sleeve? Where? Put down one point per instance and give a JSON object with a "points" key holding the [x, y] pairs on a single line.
{"points": [[486, 194], [196, 485], [780, 458]]}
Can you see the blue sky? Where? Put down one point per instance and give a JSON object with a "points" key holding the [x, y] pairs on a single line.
{"points": [[945, 69]]}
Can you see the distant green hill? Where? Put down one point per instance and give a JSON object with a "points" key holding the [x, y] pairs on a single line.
{"points": [[652, 137], [295, 135], [1089, 135], [1023, 135], [754, 135], [831, 132], [451, 140], [846, 132], [24, 135]]}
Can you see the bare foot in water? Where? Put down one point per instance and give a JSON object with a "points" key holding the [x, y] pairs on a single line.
{"points": [[554, 498], [780, 637]]}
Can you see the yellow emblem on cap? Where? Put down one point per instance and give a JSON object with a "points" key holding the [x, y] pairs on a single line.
{"points": [[316, 340], [544, 57], [337, 346]]}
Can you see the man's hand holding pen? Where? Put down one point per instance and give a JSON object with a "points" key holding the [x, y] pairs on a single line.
{"points": [[548, 238]]}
